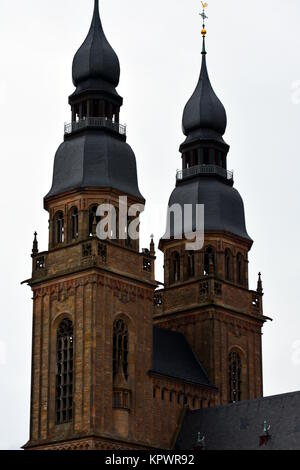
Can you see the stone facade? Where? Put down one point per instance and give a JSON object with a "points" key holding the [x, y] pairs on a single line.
{"points": [[216, 313], [75, 280]]}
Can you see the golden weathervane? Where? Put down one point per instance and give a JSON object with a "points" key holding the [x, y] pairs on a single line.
{"points": [[203, 14]]}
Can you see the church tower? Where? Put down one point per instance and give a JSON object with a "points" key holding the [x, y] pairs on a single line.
{"points": [[206, 294], [116, 362], [92, 298]]}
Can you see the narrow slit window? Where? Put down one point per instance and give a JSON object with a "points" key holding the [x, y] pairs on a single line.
{"points": [[176, 267], [228, 275], [93, 218], [239, 261], [59, 227], [74, 223], [191, 264], [209, 260]]}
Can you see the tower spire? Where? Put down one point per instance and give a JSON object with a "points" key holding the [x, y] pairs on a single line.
{"points": [[95, 61], [96, 15], [204, 118], [94, 137], [204, 31]]}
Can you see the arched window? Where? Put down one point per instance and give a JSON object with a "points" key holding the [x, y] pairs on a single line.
{"points": [[59, 225], [120, 348], [74, 223], [191, 264], [228, 274], [175, 267], [239, 268], [64, 372], [209, 256], [235, 372], [92, 216]]}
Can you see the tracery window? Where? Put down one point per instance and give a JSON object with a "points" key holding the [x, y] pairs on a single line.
{"points": [[235, 372], [64, 372], [120, 348]]}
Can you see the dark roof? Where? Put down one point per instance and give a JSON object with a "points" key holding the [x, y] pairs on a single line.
{"points": [[223, 205], [204, 112], [239, 426], [173, 357], [95, 160], [96, 60]]}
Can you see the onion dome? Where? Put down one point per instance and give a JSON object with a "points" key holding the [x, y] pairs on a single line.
{"points": [[204, 112], [96, 60]]}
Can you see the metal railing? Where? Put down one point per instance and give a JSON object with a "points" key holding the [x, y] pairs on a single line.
{"points": [[94, 122], [204, 170]]}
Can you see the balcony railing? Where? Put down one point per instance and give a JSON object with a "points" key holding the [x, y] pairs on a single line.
{"points": [[94, 122], [204, 170]]}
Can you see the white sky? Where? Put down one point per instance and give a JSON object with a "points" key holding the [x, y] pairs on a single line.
{"points": [[253, 62]]}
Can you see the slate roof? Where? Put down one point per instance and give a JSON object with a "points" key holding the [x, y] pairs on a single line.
{"points": [[95, 160], [239, 426], [173, 357], [223, 205]]}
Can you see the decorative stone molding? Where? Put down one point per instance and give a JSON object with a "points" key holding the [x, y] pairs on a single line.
{"points": [[90, 444], [125, 292], [63, 290]]}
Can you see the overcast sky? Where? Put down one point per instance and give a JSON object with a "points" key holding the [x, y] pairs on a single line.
{"points": [[254, 65]]}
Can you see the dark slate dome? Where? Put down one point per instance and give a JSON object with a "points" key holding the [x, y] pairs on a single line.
{"points": [[96, 59], [204, 111], [95, 160], [223, 205]]}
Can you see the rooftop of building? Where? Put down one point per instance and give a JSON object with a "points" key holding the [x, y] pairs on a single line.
{"points": [[243, 425]]}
